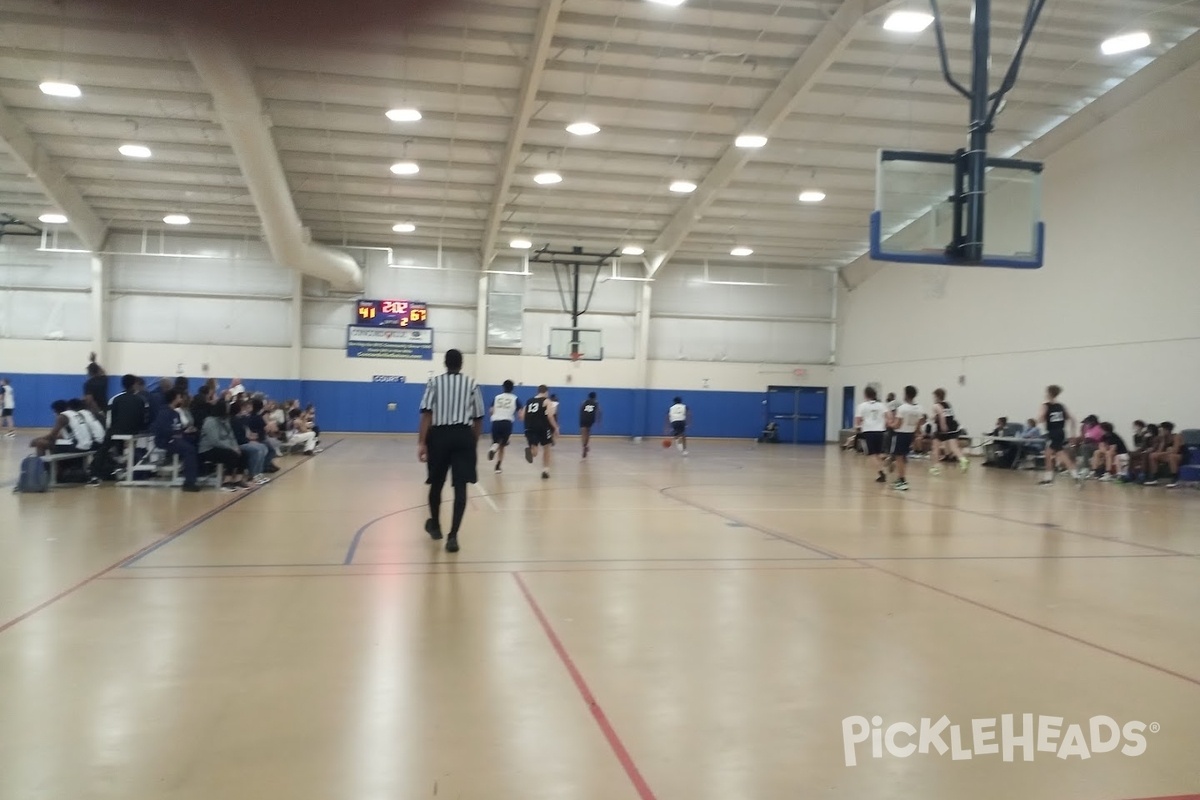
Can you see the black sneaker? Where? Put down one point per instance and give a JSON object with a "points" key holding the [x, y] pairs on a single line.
{"points": [[900, 486], [497, 469], [452, 543], [491, 454], [433, 529], [546, 475], [191, 487], [528, 454], [93, 482], [881, 479], [272, 469]]}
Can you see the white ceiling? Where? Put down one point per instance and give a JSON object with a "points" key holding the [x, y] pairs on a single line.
{"points": [[670, 87]]}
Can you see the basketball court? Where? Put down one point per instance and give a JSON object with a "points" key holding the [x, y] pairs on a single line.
{"points": [[641, 626]]}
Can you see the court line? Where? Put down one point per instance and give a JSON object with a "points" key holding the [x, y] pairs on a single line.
{"points": [[1008, 614], [487, 497], [451, 569], [242, 495], [150, 548], [606, 728], [1095, 536]]}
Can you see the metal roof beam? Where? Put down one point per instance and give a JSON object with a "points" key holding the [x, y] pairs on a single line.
{"points": [[535, 66], [50, 176], [800, 79]]}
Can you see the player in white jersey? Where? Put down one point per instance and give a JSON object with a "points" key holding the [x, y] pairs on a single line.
{"points": [[871, 422], [904, 421], [678, 418], [504, 412]]}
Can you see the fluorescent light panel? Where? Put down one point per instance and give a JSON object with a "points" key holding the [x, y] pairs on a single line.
{"points": [[53, 219], [741, 252], [683, 187], [633, 250], [406, 168], [583, 128], [907, 21], [547, 178], [58, 89], [751, 141], [404, 227], [667, 2], [177, 219], [520, 244], [1125, 43], [134, 150], [812, 196], [403, 115]]}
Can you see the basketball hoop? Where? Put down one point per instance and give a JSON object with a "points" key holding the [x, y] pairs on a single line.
{"points": [[575, 357]]}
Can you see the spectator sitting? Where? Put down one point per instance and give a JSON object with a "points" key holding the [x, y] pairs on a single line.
{"points": [[1139, 434], [94, 427], [128, 412], [1171, 453], [256, 430], [168, 436], [1139, 459], [299, 433], [310, 416], [202, 406], [1001, 424], [254, 452], [277, 416], [218, 445], [235, 390], [1031, 430], [156, 396], [1090, 437], [61, 438], [1112, 457]]}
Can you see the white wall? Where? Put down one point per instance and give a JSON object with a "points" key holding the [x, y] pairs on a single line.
{"points": [[1114, 316], [204, 305]]}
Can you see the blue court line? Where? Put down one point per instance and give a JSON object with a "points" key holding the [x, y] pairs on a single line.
{"points": [[206, 516]]}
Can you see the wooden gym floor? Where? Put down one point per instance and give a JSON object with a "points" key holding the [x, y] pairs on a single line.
{"points": [[640, 626]]}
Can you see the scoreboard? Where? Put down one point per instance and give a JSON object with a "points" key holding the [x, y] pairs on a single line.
{"points": [[392, 314]]}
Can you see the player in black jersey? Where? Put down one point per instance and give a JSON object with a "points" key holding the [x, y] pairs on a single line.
{"points": [[589, 417], [945, 433], [541, 425], [1055, 417]]}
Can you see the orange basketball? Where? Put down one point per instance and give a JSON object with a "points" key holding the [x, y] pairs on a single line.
{"points": [[666, 442]]}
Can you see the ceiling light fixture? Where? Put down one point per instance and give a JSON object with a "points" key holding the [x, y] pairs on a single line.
{"points": [[633, 250], [404, 227], [583, 128], [751, 141], [907, 21], [812, 196], [134, 150], [1125, 43], [404, 115], [406, 168], [683, 187], [668, 2], [53, 219], [57, 89], [741, 252], [177, 219], [547, 178], [520, 244]]}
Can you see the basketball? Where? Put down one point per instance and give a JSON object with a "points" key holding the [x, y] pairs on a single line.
{"points": [[300, 22], [666, 443]]}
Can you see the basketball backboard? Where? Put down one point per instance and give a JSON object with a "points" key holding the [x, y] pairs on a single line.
{"points": [[575, 344], [917, 197]]}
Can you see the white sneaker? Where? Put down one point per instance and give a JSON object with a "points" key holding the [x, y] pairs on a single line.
{"points": [[685, 452], [261, 480]]}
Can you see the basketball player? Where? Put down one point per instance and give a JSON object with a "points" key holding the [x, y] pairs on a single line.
{"points": [[504, 411], [541, 425], [905, 420], [892, 404], [871, 422], [589, 417], [678, 419], [945, 433], [1055, 417]]}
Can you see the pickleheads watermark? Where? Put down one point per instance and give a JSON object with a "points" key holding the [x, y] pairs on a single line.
{"points": [[1010, 736]]}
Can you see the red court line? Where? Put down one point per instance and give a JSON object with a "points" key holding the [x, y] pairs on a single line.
{"points": [[157, 543], [610, 734], [866, 561]]}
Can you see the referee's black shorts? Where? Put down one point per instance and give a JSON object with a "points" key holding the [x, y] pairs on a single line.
{"points": [[451, 450]]}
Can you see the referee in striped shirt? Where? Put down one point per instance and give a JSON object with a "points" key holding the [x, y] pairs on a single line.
{"points": [[451, 421]]}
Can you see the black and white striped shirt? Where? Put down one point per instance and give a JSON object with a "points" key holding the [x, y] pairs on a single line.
{"points": [[454, 399]]}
